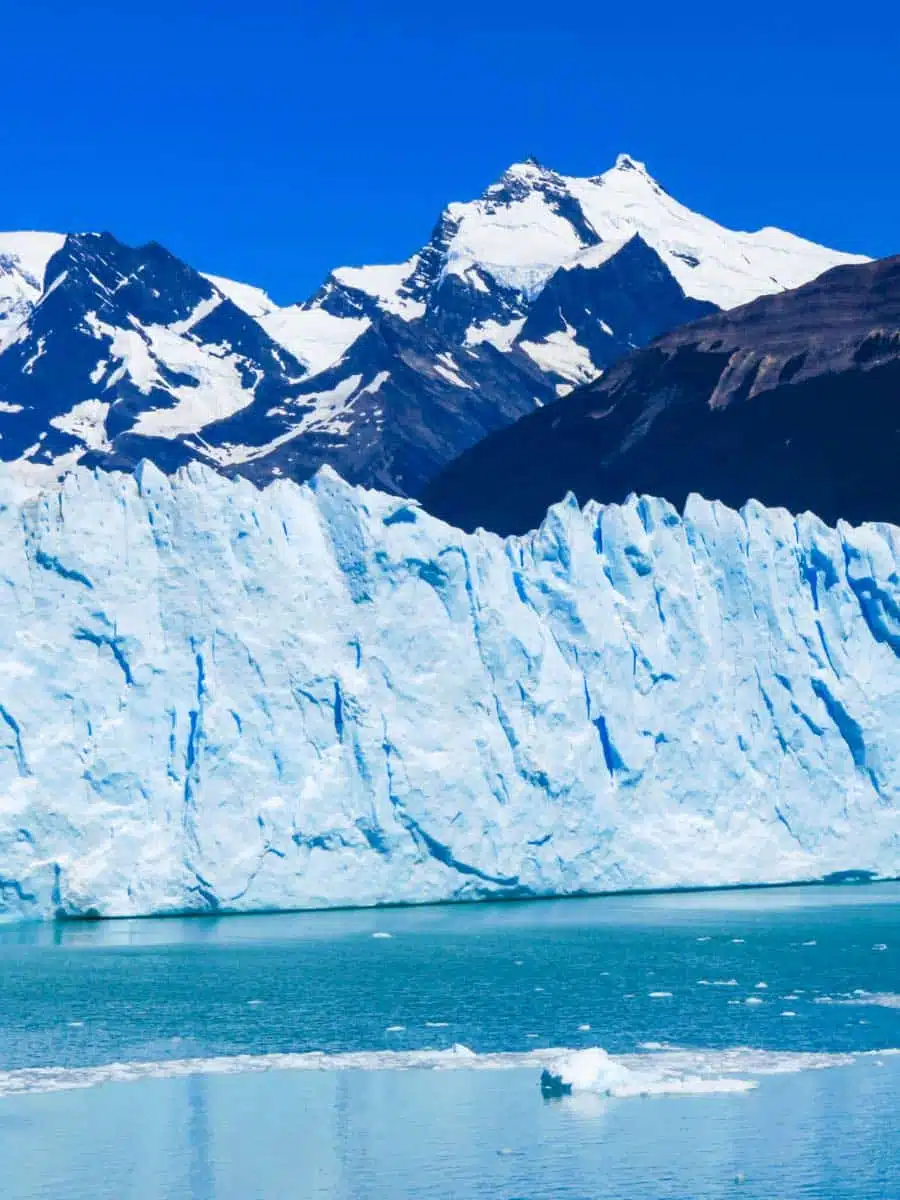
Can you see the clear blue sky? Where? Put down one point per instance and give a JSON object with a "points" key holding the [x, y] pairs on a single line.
{"points": [[271, 141]]}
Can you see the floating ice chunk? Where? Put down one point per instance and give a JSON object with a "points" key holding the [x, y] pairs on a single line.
{"points": [[380, 934], [788, 1013], [584, 1028], [253, 1003], [436, 1024], [863, 1000], [596, 1071], [660, 995], [677, 1069], [704, 939], [737, 941], [753, 1000], [761, 986], [811, 942], [879, 946], [717, 982], [395, 1029]]}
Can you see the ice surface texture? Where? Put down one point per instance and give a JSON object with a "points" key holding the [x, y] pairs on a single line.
{"points": [[213, 697]]}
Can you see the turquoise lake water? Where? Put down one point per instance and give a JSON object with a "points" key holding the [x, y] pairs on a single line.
{"points": [[314, 1055]]}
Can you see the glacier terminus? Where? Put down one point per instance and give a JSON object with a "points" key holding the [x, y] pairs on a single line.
{"points": [[219, 698]]}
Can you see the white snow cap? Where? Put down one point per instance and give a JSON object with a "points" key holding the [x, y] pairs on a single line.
{"points": [[522, 241]]}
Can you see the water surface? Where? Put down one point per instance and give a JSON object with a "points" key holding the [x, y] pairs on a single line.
{"points": [[789, 972]]}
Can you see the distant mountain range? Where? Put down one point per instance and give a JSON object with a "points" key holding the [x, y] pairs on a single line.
{"points": [[792, 400], [110, 354]]}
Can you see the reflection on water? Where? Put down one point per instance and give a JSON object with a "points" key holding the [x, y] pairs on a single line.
{"points": [[827, 1135], [801, 970], [199, 1149]]}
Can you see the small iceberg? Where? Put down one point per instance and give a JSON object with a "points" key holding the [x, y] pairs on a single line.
{"points": [[596, 1071]]}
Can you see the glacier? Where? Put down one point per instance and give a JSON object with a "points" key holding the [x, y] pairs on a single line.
{"points": [[216, 698]]}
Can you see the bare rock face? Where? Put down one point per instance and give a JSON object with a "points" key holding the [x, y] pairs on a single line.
{"points": [[793, 400]]}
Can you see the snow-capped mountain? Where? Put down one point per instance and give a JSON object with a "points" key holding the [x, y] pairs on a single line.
{"points": [[791, 399], [213, 697], [110, 354]]}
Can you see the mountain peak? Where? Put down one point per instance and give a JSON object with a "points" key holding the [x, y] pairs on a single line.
{"points": [[624, 162], [529, 168]]}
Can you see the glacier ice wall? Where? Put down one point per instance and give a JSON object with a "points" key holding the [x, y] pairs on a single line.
{"points": [[213, 697]]}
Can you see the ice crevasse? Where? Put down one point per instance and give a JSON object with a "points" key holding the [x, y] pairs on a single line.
{"points": [[219, 698]]}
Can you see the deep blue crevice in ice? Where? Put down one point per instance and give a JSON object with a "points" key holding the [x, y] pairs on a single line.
{"points": [[784, 821], [19, 750], [15, 889], [610, 754], [770, 709], [113, 644], [374, 834], [190, 750], [879, 608], [332, 840], [50, 563], [847, 727], [406, 515], [205, 892]]}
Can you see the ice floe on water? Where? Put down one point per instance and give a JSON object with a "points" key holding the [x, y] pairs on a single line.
{"points": [[861, 998], [596, 1071], [663, 1071]]}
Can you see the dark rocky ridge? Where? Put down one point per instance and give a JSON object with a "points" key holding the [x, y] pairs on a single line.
{"points": [[793, 400]]}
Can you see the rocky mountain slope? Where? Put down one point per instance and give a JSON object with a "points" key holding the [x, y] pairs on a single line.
{"points": [[793, 400], [110, 354]]}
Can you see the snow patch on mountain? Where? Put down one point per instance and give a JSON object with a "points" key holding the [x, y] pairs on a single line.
{"points": [[252, 300], [385, 284], [214, 388], [23, 262], [316, 337], [87, 422], [561, 354], [497, 333], [626, 698]]}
